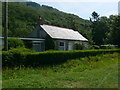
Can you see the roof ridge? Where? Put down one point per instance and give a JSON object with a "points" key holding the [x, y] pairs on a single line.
{"points": [[58, 27]]}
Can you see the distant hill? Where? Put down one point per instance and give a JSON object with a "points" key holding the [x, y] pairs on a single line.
{"points": [[23, 16], [34, 4]]}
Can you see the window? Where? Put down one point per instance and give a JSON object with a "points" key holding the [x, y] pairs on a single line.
{"points": [[61, 46], [61, 43]]}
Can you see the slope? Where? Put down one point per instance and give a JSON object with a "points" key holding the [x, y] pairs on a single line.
{"points": [[23, 16]]}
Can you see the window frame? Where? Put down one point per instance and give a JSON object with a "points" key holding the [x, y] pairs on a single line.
{"points": [[62, 46]]}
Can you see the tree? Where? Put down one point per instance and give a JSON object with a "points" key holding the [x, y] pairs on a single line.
{"points": [[71, 23], [115, 30], [95, 16], [99, 28], [105, 27]]}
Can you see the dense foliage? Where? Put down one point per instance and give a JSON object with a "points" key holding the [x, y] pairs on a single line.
{"points": [[17, 58], [115, 30], [15, 43], [105, 30]]}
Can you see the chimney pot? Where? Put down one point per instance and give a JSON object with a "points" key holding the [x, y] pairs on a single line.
{"points": [[40, 21]]}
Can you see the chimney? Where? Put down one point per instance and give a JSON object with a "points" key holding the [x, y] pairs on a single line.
{"points": [[39, 21]]}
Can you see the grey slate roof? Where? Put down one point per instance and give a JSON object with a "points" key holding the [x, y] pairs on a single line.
{"points": [[62, 33]]}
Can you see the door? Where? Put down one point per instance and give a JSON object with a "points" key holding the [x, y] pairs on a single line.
{"points": [[70, 46]]}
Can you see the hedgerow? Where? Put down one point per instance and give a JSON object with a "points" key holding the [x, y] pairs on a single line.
{"points": [[36, 59], [14, 57]]}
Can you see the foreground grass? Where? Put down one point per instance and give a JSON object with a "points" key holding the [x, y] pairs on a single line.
{"points": [[90, 72]]}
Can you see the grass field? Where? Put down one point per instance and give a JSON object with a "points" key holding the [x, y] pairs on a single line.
{"points": [[90, 72]]}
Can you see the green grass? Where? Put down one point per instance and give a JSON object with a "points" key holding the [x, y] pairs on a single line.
{"points": [[99, 71]]}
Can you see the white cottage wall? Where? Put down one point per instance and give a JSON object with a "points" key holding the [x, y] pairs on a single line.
{"points": [[68, 45]]}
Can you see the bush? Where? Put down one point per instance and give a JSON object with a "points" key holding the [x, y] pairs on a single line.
{"points": [[78, 46], [82, 46], [15, 58], [49, 43], [15, 43]]}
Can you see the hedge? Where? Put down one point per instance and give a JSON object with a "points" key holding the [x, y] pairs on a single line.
{"points": [[36, 59]]}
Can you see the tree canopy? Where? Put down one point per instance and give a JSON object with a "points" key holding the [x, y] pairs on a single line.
{"points": [[105, 30]]}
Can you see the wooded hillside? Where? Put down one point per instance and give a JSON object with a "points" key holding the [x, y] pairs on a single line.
{"points": [[98, 30], [23, 16]]}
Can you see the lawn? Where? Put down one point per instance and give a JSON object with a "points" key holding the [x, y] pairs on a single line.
{"points": [[99, 71]]}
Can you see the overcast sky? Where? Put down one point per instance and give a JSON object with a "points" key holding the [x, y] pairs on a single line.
{"points": [[83, 8]]}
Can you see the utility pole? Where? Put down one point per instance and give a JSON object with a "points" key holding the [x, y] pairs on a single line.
{"points": [[5, 25], [119, 8]]}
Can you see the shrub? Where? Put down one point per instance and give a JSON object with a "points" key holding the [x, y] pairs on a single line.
{"points": [[49, 43], [13, 58], [15, 43], [82, 46], [78, 46]]}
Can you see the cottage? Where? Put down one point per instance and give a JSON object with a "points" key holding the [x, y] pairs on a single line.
{"points": [[64, 38]]}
